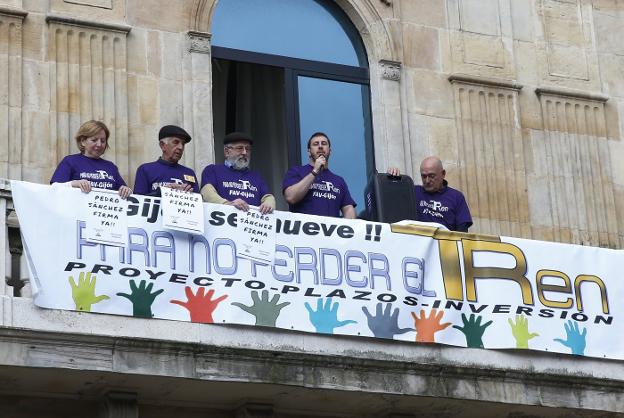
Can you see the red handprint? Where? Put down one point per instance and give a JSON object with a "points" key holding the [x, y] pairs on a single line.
{"points": [[200, 306], [427, 327]]}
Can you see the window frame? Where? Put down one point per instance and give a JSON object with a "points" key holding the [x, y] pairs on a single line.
{"points": [[293, 68]]}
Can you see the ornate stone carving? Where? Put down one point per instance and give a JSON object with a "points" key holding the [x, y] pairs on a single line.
{"points": [[390, 70], [199, 42]]}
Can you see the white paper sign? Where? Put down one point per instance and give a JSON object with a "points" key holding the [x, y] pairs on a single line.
{"points": [[105, 218], [182, 211], [257, 233]]}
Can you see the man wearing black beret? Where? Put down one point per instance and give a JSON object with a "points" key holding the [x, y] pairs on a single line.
{"points": [[166, 171], [233, 183]]}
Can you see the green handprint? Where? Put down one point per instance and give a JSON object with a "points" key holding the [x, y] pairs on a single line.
{"points": [[265, 311], [520, 331], [141, 298], [84, 292], [473, 330]]}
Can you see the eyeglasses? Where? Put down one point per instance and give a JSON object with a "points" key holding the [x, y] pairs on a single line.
{"points": [[240, 148]]}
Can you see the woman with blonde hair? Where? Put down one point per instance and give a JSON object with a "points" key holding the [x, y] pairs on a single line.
{"points": [[88, 170]]}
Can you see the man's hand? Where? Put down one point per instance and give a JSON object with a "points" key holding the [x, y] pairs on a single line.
{"points": [[320, 163], [83, 185], [124, 192], [266, 207], [239, 204], [394, 172]]}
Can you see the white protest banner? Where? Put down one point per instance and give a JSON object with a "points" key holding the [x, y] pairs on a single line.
{"points": [[105, 218], [182, 211], [257, 233], [333, 276]]}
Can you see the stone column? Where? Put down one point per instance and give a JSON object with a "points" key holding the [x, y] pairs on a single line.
{"points": [[492, 165], [198, 92], [397, 147], [11, 92], [4, 249], [574, 158], [88, 80]]}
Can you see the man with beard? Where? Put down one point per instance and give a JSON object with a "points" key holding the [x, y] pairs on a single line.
{"points": [[313, 188], [233, 183], [166, 171]]}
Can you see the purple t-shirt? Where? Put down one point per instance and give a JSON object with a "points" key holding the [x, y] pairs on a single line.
{"points": [[234, 184], [327, 195], [447, 207], [102, 174], [150, 176]]}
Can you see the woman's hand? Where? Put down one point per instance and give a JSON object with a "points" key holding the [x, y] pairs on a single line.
{"points": [[83, 185]]}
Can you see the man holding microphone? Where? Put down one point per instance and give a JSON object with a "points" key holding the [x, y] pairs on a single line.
{"points": [[313, 188]]}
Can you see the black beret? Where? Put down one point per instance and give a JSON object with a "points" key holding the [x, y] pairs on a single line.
{"points": [[235, 137], [169, 131]]}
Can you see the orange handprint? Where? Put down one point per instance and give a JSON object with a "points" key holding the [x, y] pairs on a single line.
{"points": [[427, 327], [200, 306]]}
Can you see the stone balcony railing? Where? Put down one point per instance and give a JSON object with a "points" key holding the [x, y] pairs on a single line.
{"points": [[128, 367]]}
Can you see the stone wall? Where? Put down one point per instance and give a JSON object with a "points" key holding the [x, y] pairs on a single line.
{"points": [[522, 99]]}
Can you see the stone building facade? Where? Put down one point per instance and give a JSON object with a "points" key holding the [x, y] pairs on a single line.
{"points": [[523, 100]]}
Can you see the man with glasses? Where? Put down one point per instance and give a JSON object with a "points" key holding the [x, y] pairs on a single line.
{"points": [[233, 183], [437, 202], [313, 188]]}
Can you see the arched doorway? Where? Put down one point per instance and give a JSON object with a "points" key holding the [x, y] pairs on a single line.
{"points": [[283, 70]]}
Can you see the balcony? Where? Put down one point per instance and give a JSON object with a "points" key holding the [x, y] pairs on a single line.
{"points": [[65, 363]]}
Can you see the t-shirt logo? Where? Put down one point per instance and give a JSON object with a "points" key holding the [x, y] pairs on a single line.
{"points": [[329, 185], [325, 190], [437, 206], [104, 174], [433, 208], [245, 184], [177, 181], [189, 178]]}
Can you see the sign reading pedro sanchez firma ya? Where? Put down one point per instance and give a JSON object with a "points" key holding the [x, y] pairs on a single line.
{"points": [[333, 276]]}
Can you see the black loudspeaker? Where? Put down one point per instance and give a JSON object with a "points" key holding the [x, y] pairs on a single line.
{"points": [[389, 199]]}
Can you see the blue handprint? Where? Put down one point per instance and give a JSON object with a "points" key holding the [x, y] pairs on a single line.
{"points": [[325, 318], [575, 340], [384, 324]]}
